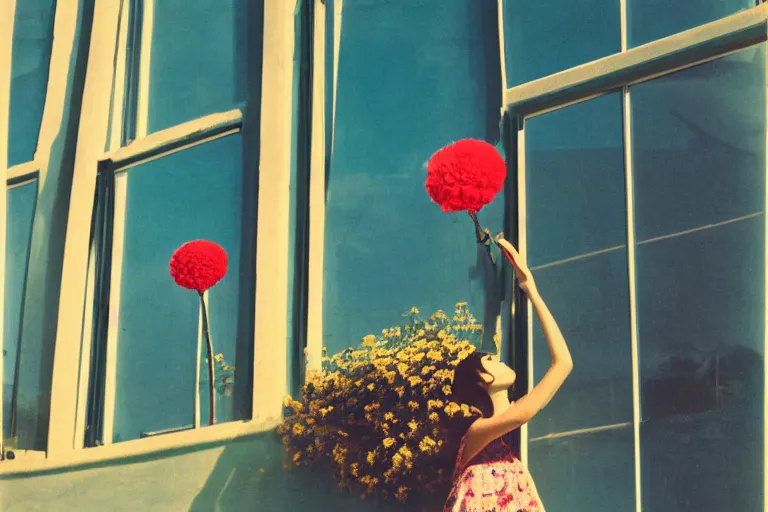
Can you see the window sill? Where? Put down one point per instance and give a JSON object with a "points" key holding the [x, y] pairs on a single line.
{"points": [[23, 465]]}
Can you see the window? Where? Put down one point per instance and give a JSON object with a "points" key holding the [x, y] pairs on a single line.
{"points": [[28, 43], [20, 210], [169, 152], [641, 189]]}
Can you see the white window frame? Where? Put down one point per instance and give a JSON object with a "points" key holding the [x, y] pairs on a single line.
{"points": [[64, 31], [616, 73], [105, 75]]}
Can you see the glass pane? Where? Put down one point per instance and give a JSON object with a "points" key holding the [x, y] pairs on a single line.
{"points": [[589, 298], [700, 206], [388, 247], [541, 38], [575, 180], [576, 233], [699, 146], [18, 223], [648, 20], [198, 59], [587, 472], [32, 39], [190, 195]]}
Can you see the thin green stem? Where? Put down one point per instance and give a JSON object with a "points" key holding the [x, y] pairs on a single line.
{"points": [[209, 347]]}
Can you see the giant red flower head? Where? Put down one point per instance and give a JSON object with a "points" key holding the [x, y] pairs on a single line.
{"points": [[198, 265], [465, 175]]}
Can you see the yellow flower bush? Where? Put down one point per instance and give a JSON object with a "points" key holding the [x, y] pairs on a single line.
{"points": [[380, 417]]}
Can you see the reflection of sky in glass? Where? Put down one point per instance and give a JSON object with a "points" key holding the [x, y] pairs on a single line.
{"points": [[32, 37], [410, 81], [197, 63], [699, 173], [189, 195], [648, 20], [20, 211], [542, 38], [575, 194]]}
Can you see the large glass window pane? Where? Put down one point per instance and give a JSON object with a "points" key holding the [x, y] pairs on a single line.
{"points": [[699, 172], [586, 472], [388, 247], [32, 39], [576, 233], [18, 223], [648, 20], [193, 194], [198, 59], [542, 38]]}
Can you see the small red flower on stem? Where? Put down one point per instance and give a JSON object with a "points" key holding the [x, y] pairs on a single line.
{"points": [[198, 265], [466, 175]]}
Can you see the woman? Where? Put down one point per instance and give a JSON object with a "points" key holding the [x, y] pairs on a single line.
{"points": [[488, 477]]}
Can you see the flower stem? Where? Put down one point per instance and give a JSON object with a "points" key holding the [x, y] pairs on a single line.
{"points": [[209, 347]]}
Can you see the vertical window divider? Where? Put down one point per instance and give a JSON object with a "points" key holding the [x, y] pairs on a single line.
{"points": [[147, 11], [624, 23], [636, 416], [522, 222], [7, 10], [765, 325], [314, 349], [502, 47]]}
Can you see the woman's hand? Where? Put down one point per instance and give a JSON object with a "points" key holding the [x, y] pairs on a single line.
{"points": [[524, 276]]}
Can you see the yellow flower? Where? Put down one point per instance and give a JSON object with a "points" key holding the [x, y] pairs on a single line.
{"points": [[427, 369], [427, 444], [434, 417], [452, 408], [371, 458], [369, 341], [447, 390], [414, 406], [371, 386], [388, 416], [397, 461], [414, 310], [435, 355], [354, 468], [218, 358], [388, 441], [413, 425], [298, 429], [414, 381]]}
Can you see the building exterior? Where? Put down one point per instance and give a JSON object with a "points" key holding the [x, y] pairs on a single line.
{"points": [[294, 133]]}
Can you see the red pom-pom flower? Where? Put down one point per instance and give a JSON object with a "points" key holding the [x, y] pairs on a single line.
{"points": [[198, 265], [465, 175]]}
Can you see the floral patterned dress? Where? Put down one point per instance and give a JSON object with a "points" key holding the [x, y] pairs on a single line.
{"points": [[493, 481]]}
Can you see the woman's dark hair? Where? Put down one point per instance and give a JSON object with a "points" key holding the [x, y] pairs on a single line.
{"points": [[468, 385]]}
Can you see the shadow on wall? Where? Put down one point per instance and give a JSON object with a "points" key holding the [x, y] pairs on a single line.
{"points": [[249, 475]]}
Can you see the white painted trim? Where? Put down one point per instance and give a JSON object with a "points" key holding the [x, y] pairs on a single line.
{"points": [[502, 46], [522, 220], [140, 447], [270, 372], [338, 8], [118, 83], [92, 138], [113, 322], [142, 99], [631, 58], [7, 13], [631, 267], [314, 351], [86, 350], [20, 170], [765, 323], [184, 134], [580, 432], [624, 24]]}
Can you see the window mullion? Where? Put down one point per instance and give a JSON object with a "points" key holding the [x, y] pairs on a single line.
{"points": [[271, 327], [92, 138]]}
